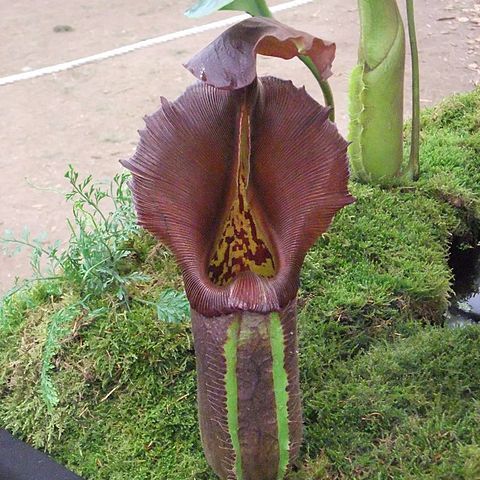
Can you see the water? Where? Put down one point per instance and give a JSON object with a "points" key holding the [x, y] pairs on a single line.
{"points": [[465, 305]]}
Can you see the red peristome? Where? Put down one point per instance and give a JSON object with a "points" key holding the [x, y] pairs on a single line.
{"points": [[182, 185]]}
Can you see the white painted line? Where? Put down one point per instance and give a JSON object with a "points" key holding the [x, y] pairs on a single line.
{"points": [[143, 44]]}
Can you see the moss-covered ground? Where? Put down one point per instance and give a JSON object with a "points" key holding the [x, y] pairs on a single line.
{"points": [[108, 386]]}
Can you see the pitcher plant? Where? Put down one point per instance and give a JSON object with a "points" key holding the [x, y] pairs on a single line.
{"points": [[238, 177]]}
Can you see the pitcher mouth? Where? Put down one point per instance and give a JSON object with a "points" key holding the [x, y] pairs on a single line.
{"points": [[240, 175], [242, 244], [241, 206]]}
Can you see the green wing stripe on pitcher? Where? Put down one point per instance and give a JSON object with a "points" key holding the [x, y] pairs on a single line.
{"points": [[280, 384], [231, 386]]}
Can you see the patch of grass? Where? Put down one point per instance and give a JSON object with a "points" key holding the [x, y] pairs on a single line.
{"points": [[388, 393], [451, 150], [407, 409]]}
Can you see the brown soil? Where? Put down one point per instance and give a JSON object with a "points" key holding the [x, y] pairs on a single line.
{"points": [[89, 116]]}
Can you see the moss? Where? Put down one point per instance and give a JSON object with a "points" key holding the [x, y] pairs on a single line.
{"points": [[406, 409], [388, 393], [450, 151]]}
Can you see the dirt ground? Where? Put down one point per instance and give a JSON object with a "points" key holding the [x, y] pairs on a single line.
{"points": [[89, 116]]}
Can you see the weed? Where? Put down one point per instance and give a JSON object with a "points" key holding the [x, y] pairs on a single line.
{"points": [[94, 261], [172, 306], [57, 328]]}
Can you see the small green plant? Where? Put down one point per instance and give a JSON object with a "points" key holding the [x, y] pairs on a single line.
{"points": [[94, 260], [58, 327], [98, 244]]}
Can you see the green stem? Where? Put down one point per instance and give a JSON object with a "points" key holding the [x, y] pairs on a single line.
{"points": [[324, 85], [413, 169]]}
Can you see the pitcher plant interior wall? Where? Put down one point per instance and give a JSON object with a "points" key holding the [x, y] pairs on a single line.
{"points": [[239, 176]]}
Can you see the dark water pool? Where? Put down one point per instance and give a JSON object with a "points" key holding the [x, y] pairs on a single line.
{"points": [[465, 305]]}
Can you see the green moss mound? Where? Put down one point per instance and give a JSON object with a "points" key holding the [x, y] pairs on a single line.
{"points": [[108, 387]]}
